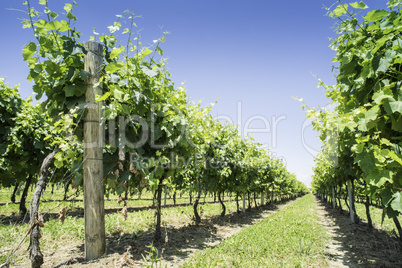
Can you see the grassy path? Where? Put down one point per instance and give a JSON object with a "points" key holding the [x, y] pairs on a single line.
{"points": [[291, 237]]}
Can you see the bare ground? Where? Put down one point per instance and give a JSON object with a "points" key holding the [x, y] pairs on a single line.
{"points": [[355, 245], [181, 241]]}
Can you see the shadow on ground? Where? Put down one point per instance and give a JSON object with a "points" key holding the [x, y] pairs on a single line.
{"points": [[356, 245]]}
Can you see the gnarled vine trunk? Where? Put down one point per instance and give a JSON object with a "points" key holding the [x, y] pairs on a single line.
{"points": [[35, 254], [158, 230], [354, 202], [197, 200], [255, 200], [23, 209], [398, 227], [367, 204], [17, 184], [223, 205], [66, 189]]}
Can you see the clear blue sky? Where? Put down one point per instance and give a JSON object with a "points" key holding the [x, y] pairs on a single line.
{"points": [[252, 56]]}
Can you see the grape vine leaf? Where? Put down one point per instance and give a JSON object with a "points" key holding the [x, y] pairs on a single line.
{"points": [[396, 203], [376, 15], [360, 5]]}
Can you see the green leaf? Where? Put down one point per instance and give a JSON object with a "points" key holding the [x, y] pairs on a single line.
{"points": [[116, 52], [160, 51], [75, 90], [153, 182], [64, 26], [84, 74], [339, 10], [369, 116], [53, 25], [395, 106], [78, 50], [375, 15], [149, 72], [366, 161], [392, 3], [395, 157], [52, 14], [146, 52], [26, 24], [379, 177], [367, 69], [58, 159], [104, 97], [68, 7], [71, 16], [380, 96], [28, 51], [385, 61], [360, 5], [396, 122], [159, 171], [118, 94], [42, 2], [391, 213], [113, 67]]}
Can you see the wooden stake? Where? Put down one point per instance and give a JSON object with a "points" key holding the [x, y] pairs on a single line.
{"points": [[244, 202], [164, 202], [94, 212], [352, 216], [333, 198]]}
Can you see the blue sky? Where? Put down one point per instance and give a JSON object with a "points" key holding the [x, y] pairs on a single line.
{"points": [[252, 56]]}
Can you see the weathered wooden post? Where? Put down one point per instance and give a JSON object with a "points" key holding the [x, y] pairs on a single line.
{"points": [[333, 198], [262, 198], [352, 216], [244, 202], [164, 202], [94, 212]]}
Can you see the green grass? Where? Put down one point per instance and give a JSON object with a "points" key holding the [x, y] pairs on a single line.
{"points": [[291, 237]]}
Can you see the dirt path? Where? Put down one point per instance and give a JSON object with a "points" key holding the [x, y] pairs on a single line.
{"points": [[182, 242], [355, 245]]}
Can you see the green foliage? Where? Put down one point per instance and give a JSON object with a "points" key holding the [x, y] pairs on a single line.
{"points": [[361, 135], [23, 131], [10, 104], [147, 119]]}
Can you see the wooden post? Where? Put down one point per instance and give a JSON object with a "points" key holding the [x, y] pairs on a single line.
{"points": [[244, 202], [262, 198], [164, 202], [333, 198], [94, 212], [352, 216]]}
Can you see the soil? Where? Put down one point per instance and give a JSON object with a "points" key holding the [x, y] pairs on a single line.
{"points": [[181, 241], [356, 245]]}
